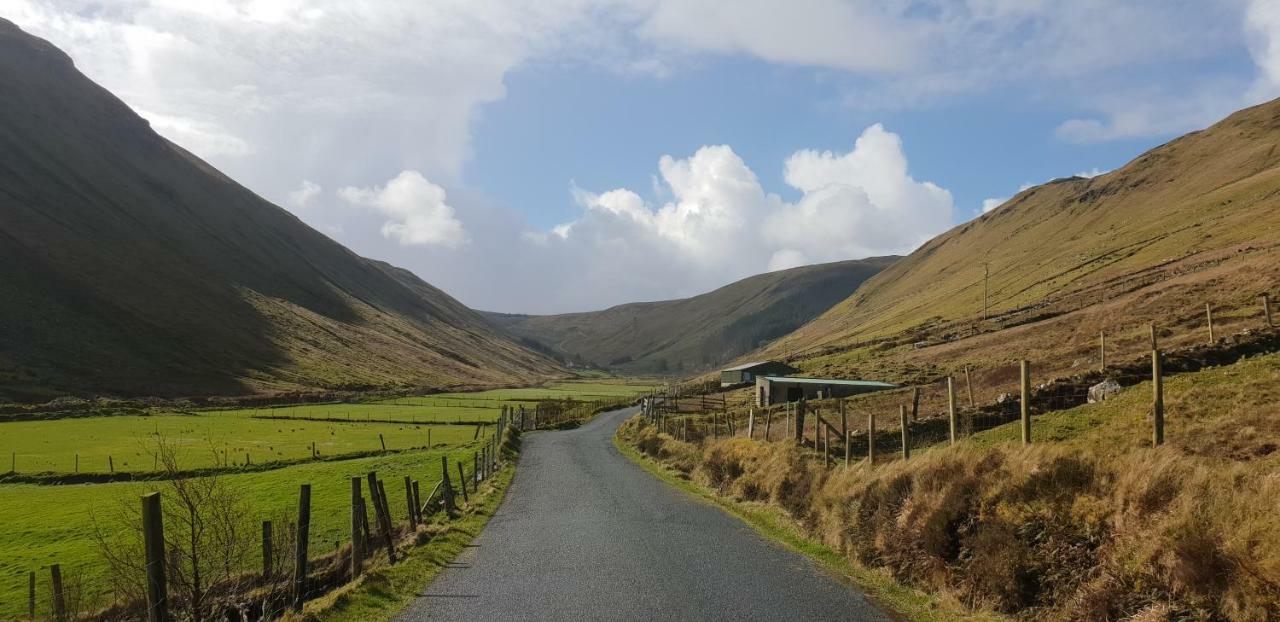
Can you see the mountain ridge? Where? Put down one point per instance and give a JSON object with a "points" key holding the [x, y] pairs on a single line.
{"points": [[139, 269], [687, 334]]}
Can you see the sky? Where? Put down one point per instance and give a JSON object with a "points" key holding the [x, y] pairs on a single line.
{"points": [[569, 155]]}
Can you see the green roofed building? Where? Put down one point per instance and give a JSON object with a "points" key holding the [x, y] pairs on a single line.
{"points": [[747, 372], [779, 389]]}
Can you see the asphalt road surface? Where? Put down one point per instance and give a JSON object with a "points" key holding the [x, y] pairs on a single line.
{"points": [[584, 534]]}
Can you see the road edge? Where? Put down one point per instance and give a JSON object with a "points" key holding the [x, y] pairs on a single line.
{"points": [[386, 592], [889, 595]]}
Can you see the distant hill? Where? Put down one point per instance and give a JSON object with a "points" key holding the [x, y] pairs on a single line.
{"points": [[131, 267], [1195, 221], [694, 334]]}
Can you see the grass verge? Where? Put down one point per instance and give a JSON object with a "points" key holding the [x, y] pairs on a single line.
{"points": [[773, 523], [385, 591]]}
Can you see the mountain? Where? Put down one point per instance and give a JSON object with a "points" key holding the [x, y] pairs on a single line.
{"points": [[131, 267], [699, 332], [1193, 222]]}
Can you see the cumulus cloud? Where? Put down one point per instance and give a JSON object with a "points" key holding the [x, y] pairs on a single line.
{"points": [[419, 214], [304, 195], [720, 224]]}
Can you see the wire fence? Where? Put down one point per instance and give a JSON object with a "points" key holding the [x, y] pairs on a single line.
{"points": [[969, 400]]}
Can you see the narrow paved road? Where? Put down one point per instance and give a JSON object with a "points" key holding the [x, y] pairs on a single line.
{"points": [[584, 534]]}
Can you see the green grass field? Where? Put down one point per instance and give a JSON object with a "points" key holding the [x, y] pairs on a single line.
{"points": [[48, 523], [203, 441]]}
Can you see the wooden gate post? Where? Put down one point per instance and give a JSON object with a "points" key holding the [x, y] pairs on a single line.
{"points": [[266, 550], [1025, 369], [1157, 389], [951, 408], [357, 543], [1266, 309], [906, 434], [751, 423], [871, 438], [153, 545]]}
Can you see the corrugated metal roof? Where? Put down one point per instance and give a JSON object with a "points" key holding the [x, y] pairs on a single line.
{"points": [[831, 381], [747, 365]]}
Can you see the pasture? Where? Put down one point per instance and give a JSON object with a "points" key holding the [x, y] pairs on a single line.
{"points": [[51, 522]]}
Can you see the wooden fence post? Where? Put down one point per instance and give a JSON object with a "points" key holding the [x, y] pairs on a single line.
{"points": [[871, 438], [357, 544], [300, 547], [1102, 351], [382, 441], [1266, 309], [377, 496], [408, 499], [153, 546], [1154, 344], [266, 549], [915, 404], [111, 465], [417, 502], [462, 484], [968, 379], [800, 408], [59, 596], [1208, 312], [906, 435], [848, 449], [951, 408], [449, 507], [844, 427], [1025, 369], [751, 423], [1157, 389], [388, 524]]}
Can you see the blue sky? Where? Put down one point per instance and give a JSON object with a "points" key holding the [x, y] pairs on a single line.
{"points": [[573, 154], [604, 130]]}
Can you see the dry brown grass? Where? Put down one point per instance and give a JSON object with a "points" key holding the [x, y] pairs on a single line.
{"points": [[1043, 532]]}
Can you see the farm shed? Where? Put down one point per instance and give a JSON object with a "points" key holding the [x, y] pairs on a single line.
{"points": [[779, 389], [746, 373]]}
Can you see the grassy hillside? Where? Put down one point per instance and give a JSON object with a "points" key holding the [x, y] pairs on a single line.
{"points": [[1192, 222], [132, 267], [699, 332]]}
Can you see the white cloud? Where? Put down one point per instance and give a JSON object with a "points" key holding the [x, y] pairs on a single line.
{"points": [[721, 225], [990, 204], [1262, 31], [304, 195], [1091, 173], [202, 137], [826, 33], [419, 214]]}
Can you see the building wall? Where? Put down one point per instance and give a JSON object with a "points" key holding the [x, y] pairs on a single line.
{"points": [[769, 392]]}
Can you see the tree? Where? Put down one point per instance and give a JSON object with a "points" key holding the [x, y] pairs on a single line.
{"points": [[208, 538]]}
